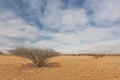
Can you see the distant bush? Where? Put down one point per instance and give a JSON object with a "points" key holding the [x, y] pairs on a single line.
{"points": [[1, 53], [95, 55], [70, 54], [38, 56], [98, 55]]}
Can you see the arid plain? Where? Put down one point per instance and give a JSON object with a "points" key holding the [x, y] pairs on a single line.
{"points": [[61, 68]]}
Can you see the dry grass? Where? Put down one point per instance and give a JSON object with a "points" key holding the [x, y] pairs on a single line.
{"points": [[61, 68]]}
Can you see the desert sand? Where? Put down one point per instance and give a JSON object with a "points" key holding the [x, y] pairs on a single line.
{"points": [[61, 68]]}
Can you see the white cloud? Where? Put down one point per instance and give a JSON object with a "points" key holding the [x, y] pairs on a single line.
{"points": [[107, 46], [66, 49], [46, 44], [4, 48], [104, 11], [13, 28], [91, 39], [63, 19], [74, 18], [58, 46], [93, 34], [68, 39]]}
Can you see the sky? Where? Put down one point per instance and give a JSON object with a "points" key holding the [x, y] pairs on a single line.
{"points": [[67, 26]]}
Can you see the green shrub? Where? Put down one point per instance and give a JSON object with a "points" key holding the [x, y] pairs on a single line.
{"points": [[38, 56]]}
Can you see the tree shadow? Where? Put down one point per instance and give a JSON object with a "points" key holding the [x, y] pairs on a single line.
{"points": [[48, 65], [52, 65]]}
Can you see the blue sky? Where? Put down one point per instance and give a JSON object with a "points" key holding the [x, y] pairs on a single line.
{"points": [[68, 26]]}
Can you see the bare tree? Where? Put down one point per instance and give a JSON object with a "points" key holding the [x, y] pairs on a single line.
{"points": [[38, 56]]}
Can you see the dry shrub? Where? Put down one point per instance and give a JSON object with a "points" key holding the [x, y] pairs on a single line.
{"points": [[1, 53], [98, 55], [38, 56]]}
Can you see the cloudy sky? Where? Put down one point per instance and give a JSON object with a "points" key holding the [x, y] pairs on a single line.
{"points": [[68, 26]]}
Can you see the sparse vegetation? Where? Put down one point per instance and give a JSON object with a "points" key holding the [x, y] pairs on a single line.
{"points": [[1, 53], [38, 56], [95, 55], [98, 55]]}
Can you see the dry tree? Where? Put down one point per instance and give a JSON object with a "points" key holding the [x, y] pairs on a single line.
{"points": [[38, 56]]}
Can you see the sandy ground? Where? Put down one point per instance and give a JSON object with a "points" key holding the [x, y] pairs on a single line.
{"points": [[61, 68]]}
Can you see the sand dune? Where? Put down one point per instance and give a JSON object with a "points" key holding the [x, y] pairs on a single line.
{"points": [[61, 68]]}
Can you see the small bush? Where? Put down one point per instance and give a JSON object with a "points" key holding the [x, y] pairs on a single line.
{"points": [[38, 56], [98, 55], [1, 53]]}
